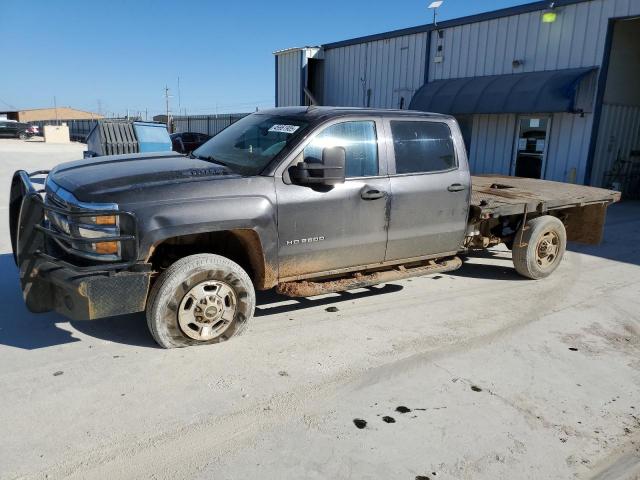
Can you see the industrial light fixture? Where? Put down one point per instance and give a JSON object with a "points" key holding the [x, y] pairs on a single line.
{"points": [[550, 15], [434, 6]]}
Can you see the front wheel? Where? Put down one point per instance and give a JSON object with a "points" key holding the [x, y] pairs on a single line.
{"points": [[23, 136], [199, 300], [544, 241]]}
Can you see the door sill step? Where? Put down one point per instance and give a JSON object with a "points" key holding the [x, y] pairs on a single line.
{"points": [[305, 288]]}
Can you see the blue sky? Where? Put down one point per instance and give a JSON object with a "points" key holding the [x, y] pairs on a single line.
{"points": [[120, 54]]}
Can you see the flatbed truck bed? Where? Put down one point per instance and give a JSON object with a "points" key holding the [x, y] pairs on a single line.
{"points": [[582, 208]]}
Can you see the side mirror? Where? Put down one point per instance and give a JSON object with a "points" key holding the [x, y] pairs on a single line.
{"points": [[329, 172]]}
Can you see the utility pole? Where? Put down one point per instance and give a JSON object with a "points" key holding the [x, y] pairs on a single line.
{"points": [[166, 98], [179, 102], [55, 107], [146, 111]]}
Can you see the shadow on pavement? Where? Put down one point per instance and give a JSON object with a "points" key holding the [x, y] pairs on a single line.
{"points": [[22, 329], [293, 304], [487, 272], [620, 234], [29, 331]]}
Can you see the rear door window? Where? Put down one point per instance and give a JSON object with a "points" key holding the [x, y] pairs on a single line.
{"points": [[422, 146]]}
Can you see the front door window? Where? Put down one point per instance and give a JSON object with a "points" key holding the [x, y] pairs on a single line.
{"points": [[359, 141]]}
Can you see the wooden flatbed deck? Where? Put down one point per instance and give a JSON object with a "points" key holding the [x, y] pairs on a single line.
{"points": [[497, 195]]}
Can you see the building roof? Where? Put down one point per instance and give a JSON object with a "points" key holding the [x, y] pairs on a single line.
{"points": [[294, 49], [47, 108], [481, 17]]}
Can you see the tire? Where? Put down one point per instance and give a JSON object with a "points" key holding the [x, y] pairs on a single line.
{"points": [[533, 258], [209, 284], [23, 136]]}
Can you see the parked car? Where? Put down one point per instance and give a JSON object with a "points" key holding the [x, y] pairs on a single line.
{"points": [[306, 200], [12, 129], [187, 142], [33, 130]]}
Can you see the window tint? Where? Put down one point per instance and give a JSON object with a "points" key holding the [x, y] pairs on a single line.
{"points": [[359, 142], [422, 146]]}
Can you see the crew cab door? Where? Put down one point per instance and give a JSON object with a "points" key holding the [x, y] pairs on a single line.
{"points": [[328, 228], [430, 187]]}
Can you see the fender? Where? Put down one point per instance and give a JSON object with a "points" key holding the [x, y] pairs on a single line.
{"points": [[161, 221]]}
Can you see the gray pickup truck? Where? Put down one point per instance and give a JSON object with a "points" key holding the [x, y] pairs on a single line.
{"points": [[306, 200]]}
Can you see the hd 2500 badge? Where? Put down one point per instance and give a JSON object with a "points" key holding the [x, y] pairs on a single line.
{"points": [[304, 240]]}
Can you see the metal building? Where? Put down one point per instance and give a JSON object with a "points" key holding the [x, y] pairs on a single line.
{"points": [[546, 89]]}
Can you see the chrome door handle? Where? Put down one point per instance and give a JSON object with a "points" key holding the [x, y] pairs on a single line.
{"points": [[456, 187], [370, 193]]}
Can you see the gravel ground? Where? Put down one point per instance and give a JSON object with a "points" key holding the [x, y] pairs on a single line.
{"points": [[497, 377]]}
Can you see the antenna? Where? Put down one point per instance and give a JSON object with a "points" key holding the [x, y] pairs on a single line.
{"points": [[434, 6]]}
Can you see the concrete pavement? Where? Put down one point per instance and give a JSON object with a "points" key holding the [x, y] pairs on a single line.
{"points": [[504, 378]]}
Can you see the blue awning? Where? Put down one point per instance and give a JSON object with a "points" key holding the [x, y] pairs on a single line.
{"points": [[533, 92]]}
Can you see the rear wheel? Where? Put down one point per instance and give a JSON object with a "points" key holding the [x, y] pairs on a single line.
{"points": [[23, 136], [544, 241], [200, 300]]}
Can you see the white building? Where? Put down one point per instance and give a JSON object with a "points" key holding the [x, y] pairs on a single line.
{"points": [[542, 89]]}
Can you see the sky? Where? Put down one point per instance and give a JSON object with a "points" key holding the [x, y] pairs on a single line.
{"points": [[215, 57]]}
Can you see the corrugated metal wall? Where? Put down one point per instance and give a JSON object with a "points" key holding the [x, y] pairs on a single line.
{"points": [[576, 39], [568, 147], [289, 75], [619, 134], [207, 124], [378, 73], [492, 141], [390, 68]]}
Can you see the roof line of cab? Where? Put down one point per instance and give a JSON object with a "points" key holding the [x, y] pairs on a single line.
{"points": [[328, 112]]}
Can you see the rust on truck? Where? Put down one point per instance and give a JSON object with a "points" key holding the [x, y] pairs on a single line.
{"points": [[581, 208], [308, 288]]}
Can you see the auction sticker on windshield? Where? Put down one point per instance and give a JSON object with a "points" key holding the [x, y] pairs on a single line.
{"points": [[284, 128]]}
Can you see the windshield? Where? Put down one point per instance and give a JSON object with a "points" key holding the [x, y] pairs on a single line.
{"points": [[248, 145]]}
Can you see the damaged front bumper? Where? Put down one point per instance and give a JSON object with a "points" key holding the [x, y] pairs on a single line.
{"points": [[78, 290]]}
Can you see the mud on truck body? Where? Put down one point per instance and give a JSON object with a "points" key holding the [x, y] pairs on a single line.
{"points": [[306, 200]]}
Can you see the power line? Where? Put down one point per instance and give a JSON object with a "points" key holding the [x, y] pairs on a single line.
{"points": [[8, 105]]}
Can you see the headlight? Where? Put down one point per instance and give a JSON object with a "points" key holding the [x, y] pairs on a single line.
{"points": [[88, 227], [101, 226]]}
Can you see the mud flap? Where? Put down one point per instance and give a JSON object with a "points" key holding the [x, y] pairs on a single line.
{"points": [[586, 224]]}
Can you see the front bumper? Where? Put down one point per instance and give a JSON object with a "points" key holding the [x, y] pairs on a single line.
{"points": [[81, 296], [79, 291]]}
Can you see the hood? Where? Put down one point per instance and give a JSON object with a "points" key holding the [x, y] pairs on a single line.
{"points": [[105, 175]]}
